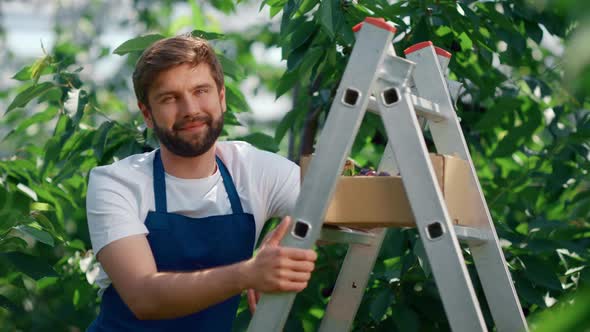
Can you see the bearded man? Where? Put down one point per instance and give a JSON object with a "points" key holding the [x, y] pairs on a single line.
{"points": [[174, 229]]}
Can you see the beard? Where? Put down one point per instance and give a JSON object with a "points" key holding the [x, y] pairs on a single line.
{"points": [[197, 143]]}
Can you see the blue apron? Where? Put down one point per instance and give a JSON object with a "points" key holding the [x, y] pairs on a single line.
{"points": [[180, 243]]}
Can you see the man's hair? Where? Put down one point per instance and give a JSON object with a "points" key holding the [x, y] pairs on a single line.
{"points": [[170, 52]]}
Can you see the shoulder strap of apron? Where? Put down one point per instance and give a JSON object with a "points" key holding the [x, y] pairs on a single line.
{"points": [[159, 184], [230, 188]]}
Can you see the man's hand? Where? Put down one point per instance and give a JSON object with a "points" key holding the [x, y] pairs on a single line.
{"points": [[278, 269]]}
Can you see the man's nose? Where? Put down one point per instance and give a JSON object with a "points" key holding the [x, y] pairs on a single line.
{"points": [[189, 105]]}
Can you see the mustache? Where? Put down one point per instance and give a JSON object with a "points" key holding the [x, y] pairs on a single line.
{"points": [[205, 118]]}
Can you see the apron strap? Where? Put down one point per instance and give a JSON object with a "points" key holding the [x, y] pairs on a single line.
{"points": [[230, 188], [160, 186]]}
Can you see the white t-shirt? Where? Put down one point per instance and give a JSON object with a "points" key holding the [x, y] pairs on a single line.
{"points": [[121, 194]]}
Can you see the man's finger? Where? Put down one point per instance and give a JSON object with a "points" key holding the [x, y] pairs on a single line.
{"points": [[258, 295], [280, 231], [252, 300], [297, 254]]}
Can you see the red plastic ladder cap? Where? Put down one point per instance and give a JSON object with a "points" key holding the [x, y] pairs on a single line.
{"points": [[376, 21], [419, 46]]}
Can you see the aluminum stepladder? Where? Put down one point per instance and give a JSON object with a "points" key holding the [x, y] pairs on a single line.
{"points": [[376, 79]]}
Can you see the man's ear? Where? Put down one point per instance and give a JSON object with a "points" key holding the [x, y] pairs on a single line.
{"points": [[147, 114], [222, 99]]}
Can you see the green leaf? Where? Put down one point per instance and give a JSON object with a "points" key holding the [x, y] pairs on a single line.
{"points": [[465, 41], [286, 122], [47, 225], [75, 105], [76, 244], [302, 34], [229, 118], [274, 11], [235, 99], [295, 59], [492, 117], [53, 95], [529, 293], [23, 98], [326, 17], [39, 66], [76, 298], [261, 141], [230, 68], [287, 82], [381, 303], [41, 117], [207, 35], [405, 319], [25, 73], [534, 31], [12, 244], [137, 44], [420, 252], [41, 206], [541, 273], [10, 306], [46, 282], [100, 138], [34, 267], [36, 234]]}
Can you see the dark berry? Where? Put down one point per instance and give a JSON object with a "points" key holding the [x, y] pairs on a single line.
{"points": [[327, 292]]}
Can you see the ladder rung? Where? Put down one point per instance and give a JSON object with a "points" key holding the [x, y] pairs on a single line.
{"points": [[346, 235], [423, 107], [473, 235]]}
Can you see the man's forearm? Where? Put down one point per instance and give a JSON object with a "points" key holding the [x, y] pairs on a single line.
{"points": [[165, 295]]}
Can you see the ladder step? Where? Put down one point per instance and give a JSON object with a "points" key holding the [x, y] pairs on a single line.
{"points": [[336, 234], [472, 235], [423, 107]]}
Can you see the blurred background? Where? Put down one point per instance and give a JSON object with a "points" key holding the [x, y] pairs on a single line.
{"points": [[29, 27]]}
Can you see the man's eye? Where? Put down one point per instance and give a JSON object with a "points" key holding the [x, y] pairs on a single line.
{"points": [[200, 91], [168, 99]]}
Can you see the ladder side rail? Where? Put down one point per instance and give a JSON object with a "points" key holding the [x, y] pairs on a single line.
{"points": [[351, 284], [429, 209], [332, 150], [356, 270], [448, 138]]}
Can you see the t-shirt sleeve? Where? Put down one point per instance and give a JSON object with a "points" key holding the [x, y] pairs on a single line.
{"points": [[285, 189], [111, 209]]}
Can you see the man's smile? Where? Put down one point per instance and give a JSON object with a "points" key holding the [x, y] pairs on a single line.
{"points": [[192, 125]]}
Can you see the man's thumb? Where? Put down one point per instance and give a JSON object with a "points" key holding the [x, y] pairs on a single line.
{"points": [[280, 231]]}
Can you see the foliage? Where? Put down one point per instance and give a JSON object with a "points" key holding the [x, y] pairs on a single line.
{"points": [[523, 110], [74, 125], [526, 129]]}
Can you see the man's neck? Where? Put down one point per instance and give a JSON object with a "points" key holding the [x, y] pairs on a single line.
{"points": [[189, 168]]}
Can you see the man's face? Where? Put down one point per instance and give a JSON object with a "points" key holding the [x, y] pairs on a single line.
{"points": [[185, 109]]}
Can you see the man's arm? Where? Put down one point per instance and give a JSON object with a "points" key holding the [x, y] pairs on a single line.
{"points": [[160, 295]]}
